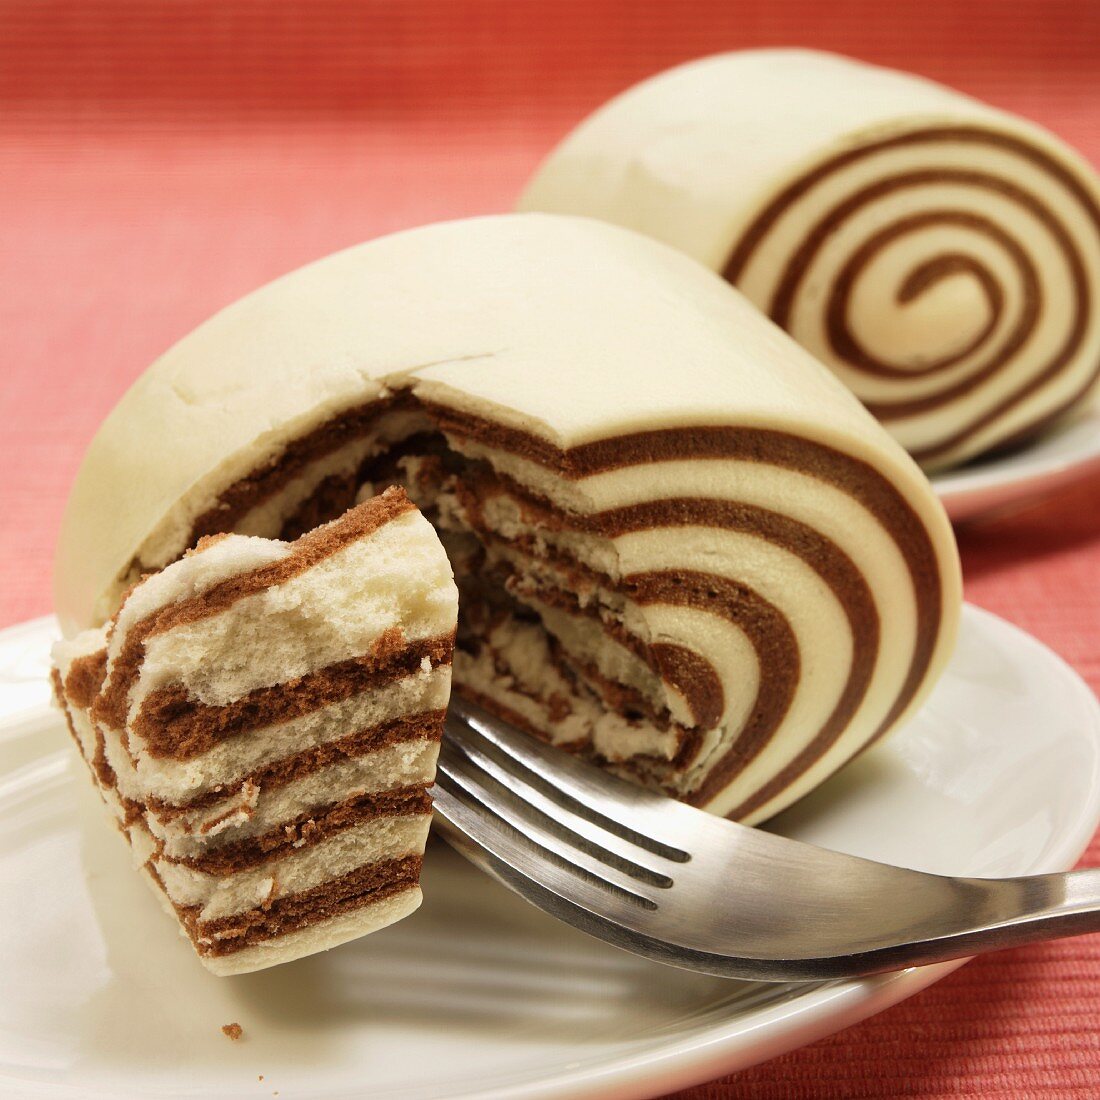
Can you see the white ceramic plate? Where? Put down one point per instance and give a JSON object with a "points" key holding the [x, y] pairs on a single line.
{"points": [[1067, 452], [478, 994]]}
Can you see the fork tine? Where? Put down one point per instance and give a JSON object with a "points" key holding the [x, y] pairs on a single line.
{"points": [[615, 806], [489, 845], [575, 829], [530, 830], [591, 905], [495, 845]]}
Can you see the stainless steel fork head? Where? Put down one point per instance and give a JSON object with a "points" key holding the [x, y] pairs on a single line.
{"points": [[678, 885]]}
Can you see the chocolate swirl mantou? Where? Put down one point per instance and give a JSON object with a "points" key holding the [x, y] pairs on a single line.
{"points": [[942, 257], [683, 549]]}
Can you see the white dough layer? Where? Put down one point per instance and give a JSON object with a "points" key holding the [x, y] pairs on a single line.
{"points": [[295, 871]]}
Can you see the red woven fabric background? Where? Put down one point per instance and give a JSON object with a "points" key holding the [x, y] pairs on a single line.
{"points": [[158, 159]]}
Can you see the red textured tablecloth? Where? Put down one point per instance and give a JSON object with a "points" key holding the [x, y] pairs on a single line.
{"points": [[158, 159]]}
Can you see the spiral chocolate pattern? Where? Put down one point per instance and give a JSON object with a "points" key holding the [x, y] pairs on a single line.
{"points": [[795, 615], [850, 553], [841, 253]]}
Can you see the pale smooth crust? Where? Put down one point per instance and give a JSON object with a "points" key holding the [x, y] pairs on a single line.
{"points": [[567, 328], [686, 155]]}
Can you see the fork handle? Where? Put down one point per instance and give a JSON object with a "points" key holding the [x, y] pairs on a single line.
{"points": [[1017, 912], [1053, 906]]}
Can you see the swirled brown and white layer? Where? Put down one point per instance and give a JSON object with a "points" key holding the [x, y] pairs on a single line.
{"points": [[941, 257], [727, 613], [741, 606]]}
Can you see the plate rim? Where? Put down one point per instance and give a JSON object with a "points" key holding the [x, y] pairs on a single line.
{"points": [[729, 1046]]}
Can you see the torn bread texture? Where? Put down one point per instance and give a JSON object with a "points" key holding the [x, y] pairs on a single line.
{"points": [[263, 718]]}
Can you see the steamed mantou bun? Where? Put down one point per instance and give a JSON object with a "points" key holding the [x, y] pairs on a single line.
{"points": [[683, 548], [940, 256]]}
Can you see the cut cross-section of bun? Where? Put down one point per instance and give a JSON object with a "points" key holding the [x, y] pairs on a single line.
{"points": [[684, 550], [263, 718], [941, 256]]}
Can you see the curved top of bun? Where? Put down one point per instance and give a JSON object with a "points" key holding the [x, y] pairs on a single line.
{"points": [[688, 155], [570, 329]]}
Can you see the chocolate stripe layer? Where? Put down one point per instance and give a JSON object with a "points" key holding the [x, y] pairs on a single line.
{"points": [[85, 677], [366, 885], [771, 637], [58, 689], [693, 676], [242, 496], [427, 726], [173, 725]]}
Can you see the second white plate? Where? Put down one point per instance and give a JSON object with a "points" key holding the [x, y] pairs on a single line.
{"points": [[1066, 453], [478, 994]]}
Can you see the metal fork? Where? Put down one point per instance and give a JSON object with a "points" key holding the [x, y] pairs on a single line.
{"points": [[678, 885]]}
